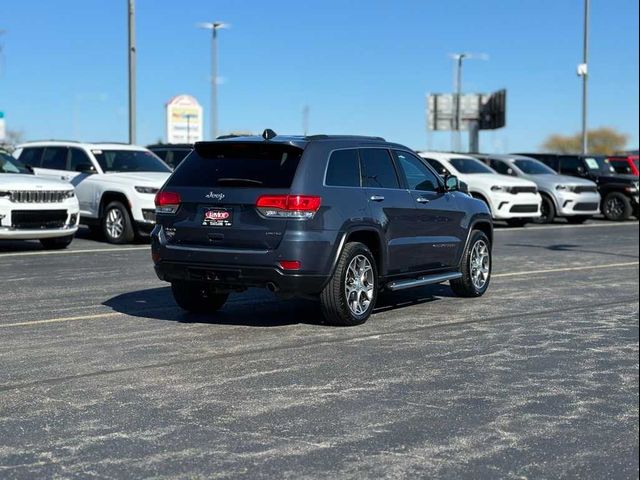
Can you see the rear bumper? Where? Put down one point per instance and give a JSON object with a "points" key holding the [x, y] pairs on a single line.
{"points": [[242, 268], [241, 276]]}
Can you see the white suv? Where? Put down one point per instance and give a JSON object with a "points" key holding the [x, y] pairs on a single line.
{"points": [[33, 208], [115, 183], [512, 199]]}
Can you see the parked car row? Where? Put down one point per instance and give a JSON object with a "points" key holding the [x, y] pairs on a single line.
{"points": [[115, 184], [113, 187]]}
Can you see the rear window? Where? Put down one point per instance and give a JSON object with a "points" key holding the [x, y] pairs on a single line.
{"points": [[239, 165]]}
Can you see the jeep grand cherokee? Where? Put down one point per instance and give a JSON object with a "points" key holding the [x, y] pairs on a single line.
{"points": [[337, 218]]}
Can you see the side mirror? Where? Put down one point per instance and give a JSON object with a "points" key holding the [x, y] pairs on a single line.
{"points": [[85, 168], [451, 183], [511, 172]]}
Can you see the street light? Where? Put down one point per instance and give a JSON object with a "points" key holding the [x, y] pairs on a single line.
{"points": [[457, 86], [583, 72], [131, 54], [214, 27]]}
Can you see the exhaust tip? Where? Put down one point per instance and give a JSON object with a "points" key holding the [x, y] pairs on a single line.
{"points": [[272, 287]]}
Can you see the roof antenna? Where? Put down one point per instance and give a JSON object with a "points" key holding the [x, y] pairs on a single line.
{"points": [[268, 134]]}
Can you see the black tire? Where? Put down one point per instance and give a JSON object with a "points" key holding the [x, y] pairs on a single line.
{"points": [[547, 211], [616, 207], [517, 222], [333, 299], [465, 286], [197, 297], [59, 243], [578, 219], [124, 233]]}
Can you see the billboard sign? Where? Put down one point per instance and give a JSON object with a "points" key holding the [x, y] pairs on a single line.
{"points": [[488, 110], [184, 120]]}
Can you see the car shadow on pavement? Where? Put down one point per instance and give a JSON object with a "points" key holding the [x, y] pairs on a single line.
{"points": [[256, 308]]}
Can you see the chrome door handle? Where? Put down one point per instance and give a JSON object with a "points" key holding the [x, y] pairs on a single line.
{"points": [[422, 200], [377, 198]]}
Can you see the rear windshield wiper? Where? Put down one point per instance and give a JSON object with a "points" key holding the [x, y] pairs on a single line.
{"points": [[239, 181]]}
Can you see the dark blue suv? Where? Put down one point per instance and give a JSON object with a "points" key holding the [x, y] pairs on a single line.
{"points": [[336, 218]]}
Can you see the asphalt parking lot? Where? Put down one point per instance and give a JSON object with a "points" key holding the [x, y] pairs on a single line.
{"points": [[102, 376]]}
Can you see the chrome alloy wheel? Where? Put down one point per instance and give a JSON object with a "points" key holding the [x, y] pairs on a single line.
{"points": [[359, 284], [480, 264], [115, 223]]}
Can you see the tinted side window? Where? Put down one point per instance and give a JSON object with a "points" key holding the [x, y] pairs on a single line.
{"points": [[418, 176], [343, 169], [163, 154], [621, 166], [377, 169], [32, 156], [178, 156], [438, 167], [571, 165], [78, 157], [552, 162], [55, 158], [500, 167]]}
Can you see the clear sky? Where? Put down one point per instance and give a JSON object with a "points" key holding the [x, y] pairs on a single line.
{"points": [[363, 67]]}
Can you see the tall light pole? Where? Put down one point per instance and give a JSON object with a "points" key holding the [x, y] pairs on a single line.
{"points": [[305, 120], [457, 86], [458, 58], [583, 71], [214, 27], [131, 52]]}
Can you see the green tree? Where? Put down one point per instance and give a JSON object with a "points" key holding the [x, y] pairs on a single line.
{"points": [[601, 141]]}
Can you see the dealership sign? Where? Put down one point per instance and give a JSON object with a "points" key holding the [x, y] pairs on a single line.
{"points": [[3, 132], [184, 120]]}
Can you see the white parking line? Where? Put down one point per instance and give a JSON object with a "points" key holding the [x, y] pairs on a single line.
{"points": [[566, 269], [71, 252], [567, 226], [64, 319], [499, 275]]}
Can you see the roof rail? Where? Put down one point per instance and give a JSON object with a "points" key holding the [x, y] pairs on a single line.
{"points": [[343, 137]]}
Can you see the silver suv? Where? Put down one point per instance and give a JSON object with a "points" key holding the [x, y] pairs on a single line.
{"points": [[576, 199]]}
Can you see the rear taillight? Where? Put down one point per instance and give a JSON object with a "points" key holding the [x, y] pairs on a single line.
{"points": [[167, 202], [288, 206]]}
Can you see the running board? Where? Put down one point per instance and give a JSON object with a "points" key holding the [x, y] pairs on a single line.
{"points": [[426, 280]]}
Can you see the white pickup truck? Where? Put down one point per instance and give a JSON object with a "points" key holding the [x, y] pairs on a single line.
{"points": [[115, 183], [34, 208]]}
